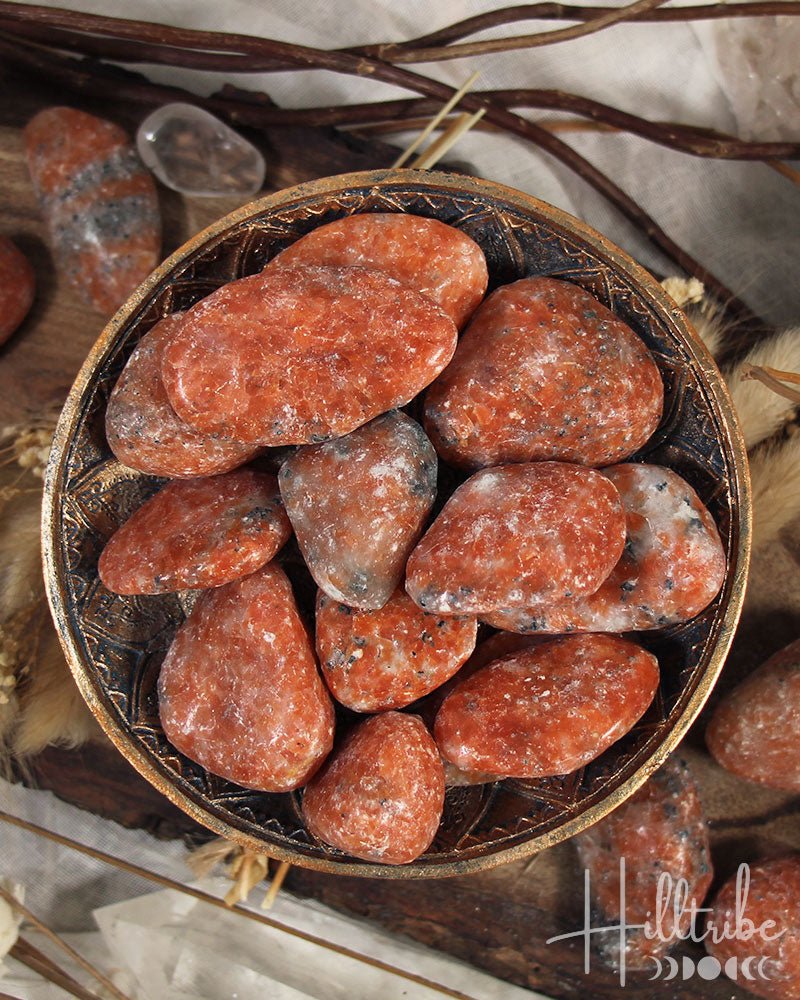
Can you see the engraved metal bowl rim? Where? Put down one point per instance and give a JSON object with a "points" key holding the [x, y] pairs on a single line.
{"points": [[705, 367]]}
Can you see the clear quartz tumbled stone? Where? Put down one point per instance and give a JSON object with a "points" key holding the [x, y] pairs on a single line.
{"points": [[192, 151]]}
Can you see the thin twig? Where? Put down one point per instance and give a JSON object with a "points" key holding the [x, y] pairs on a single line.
{"points": [[57, 940], [785, 170], [430, 156], [616, 15], [793, 377], [207, 897], [690, 139], [45, 967], [443, 112], [767, 378], [411, 124], [275, 885], [568, 12]]}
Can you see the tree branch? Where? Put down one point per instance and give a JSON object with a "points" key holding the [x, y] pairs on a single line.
{"points": [[306, 57]]}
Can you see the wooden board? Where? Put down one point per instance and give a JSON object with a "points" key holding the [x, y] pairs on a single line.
{"points": [[499, 920]]}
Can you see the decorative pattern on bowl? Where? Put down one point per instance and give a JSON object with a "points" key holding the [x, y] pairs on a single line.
{"points": [[115, 644]]}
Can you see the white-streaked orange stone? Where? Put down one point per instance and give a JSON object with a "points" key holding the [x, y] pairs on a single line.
{"points": [[383, 659], [197, 533], [755, 730], [544, 371], [518, 536], [239, 690], [547, 710], [143, 430], [297, 355], [99, 202], [380, 795], [661, 831], [435, 259]]}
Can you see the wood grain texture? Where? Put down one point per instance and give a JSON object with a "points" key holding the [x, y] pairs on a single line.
{"points": [[498, 920]]}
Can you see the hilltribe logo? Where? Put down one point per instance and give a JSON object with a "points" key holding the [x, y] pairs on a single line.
{"points": [[672, 898]]}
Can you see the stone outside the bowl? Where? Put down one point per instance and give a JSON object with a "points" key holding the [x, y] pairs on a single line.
{"points": [[115, 645], [192, 151]]}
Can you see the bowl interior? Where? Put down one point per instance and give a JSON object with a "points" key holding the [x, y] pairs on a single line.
{"points": [[115, 644]]}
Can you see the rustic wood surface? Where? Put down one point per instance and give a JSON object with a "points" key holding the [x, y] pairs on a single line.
{"points": [[498, 920]]}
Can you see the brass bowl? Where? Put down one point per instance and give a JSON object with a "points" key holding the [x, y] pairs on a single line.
{"points": [[115, 645]]}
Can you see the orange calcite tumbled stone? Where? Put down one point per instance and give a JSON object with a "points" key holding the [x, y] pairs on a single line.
{"points": [[380, 795], [544, 371], [239, 690], [17, 287], [755, 730], [387, 658], [298, 355], [358, 504], [763, 927], [549, 709], [660, 832], [197, 533], [672, 567], [143, 430], [99, 202], [435, 259], [517, 536]]}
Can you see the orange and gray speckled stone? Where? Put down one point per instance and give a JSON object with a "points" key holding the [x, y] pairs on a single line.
{"points": [[99, 202], [239, 691], [671, 569], [755, 730], [435, 259], [383, 659], [358, 505], [518, 536], [493, 648], [298, 355], [659, 831], [772, 909], [143, 430], [380, 796], [17, 287], [544, 371], [197, 533], [547, 710]]}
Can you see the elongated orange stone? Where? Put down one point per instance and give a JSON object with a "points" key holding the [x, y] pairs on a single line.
{"points": [[660, 832], [518, 536], [239, 691], [297, 355], [197, 533], [17, 287], [143, 430], [549, 709], [99, 202], [435, 259]]}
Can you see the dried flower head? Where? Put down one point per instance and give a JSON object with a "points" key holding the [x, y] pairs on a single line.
{"points": [[775, 475]]}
